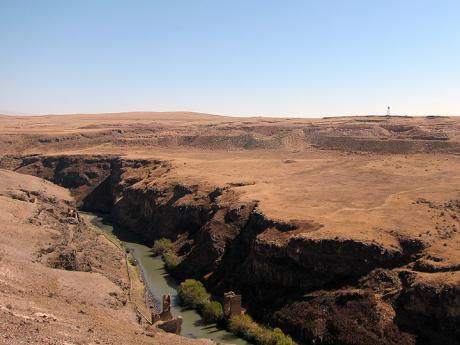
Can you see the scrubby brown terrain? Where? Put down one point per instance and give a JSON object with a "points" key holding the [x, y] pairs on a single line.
{"points": [[339, 230], [60, 283]]}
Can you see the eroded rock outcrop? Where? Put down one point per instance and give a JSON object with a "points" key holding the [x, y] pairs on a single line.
{"points": [[327, 290]]}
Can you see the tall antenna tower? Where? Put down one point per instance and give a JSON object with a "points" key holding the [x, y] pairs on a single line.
{"points": [[388, 111]]}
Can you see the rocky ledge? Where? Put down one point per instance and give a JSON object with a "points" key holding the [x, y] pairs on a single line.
{"points": [[321, 290]]}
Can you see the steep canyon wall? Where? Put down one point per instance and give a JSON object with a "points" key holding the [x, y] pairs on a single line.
{"points": [[330, 291]]}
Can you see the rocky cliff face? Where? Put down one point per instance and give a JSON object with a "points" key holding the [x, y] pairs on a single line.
{"points": [[430, 306], [327, 291], [80, 174]]}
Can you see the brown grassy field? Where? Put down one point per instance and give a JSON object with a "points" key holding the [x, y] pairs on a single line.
{"points": [[393, 182], [361, 192]]}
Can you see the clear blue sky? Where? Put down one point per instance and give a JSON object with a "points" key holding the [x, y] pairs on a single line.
{"points": [[241, 57]]}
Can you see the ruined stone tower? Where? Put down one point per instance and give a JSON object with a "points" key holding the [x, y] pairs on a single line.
{"points": [[166, 314], [232, 304]]}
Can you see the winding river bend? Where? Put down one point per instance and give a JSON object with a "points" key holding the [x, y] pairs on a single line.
{"points": [[160, 283]]}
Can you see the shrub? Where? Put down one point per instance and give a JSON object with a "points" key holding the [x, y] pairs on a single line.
{"points": [[245, 327], [193, 293], [161, 246], [279, 338], [212, 311], [171, 260]]}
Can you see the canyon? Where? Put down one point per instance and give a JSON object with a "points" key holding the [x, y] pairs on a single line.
{"points": [[337, 230], [60, 282]]}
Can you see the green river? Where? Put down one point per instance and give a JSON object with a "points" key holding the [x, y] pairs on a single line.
{"points": [[160, 283]]}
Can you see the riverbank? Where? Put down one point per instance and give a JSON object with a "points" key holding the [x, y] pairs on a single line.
{"points": [[138, 295], [60, 283], [160, 283]]}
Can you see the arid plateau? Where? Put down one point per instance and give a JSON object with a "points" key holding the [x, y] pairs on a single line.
{"points": [[341, 230]]}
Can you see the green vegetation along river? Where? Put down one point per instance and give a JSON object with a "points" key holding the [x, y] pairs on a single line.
{"points": [[160, 283]]}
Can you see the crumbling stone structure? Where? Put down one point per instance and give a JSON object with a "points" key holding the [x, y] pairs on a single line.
{"points": [[232, 305], [166, 314], [165, 319], [171, 326]]}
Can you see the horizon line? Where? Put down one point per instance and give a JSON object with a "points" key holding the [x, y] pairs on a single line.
{"points": [[19, 114]]}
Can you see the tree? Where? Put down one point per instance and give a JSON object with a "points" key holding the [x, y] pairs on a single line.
{"points": [[212, 311], [193, 293], [171, 260], [161, 246]]}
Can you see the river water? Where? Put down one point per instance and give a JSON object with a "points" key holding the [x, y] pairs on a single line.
{"points": [[160, 283]]}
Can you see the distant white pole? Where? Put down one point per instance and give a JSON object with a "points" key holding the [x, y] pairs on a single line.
{"points": [[388, 111]]}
